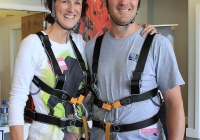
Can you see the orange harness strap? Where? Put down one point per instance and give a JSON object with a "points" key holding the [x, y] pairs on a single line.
{"points": [[108, 134], [85, 126]]}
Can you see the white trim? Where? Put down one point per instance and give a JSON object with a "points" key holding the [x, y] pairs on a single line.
{"points": [[190, 133], [12, 59], [195, 132], [197, 81], [23, 7]]}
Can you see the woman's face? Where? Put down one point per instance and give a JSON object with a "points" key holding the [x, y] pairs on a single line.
{"points": [[68, 12]]}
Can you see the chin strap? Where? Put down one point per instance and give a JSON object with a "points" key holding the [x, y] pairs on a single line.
{"points": [[126, 25]]}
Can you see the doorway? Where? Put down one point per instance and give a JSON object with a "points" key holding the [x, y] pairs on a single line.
{"points": [[10, 39]]}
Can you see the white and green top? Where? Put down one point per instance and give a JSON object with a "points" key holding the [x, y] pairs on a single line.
{"points": [[32, 60]]}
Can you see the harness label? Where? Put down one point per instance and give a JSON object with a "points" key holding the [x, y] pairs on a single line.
{"points": [[61, 63], [149, 130]]}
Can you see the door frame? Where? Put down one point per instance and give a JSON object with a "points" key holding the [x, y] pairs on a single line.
{"points": [[24, 8], [12, 45], [194, 101]]}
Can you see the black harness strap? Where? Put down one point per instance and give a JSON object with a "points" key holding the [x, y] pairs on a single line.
{"points": [[80, 60], [78, 54], [57, 93], [135, 82], [62, 123], [137, 73], [135, 90], [96, 55], [60, 78], [126, 127], [130, 99]]}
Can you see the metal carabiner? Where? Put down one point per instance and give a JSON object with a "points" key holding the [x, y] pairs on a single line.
{"points": [[104, 119], [75, 111], [160, 98], [116, 115], [86, 113]]}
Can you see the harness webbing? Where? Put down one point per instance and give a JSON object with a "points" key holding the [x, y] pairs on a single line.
{"points": [[137, 73], [135, 81], [96, 55], [58, 92], [126, 127], [60, 78], [125, 101], [62, 123], [61, 94], [135, 96]]}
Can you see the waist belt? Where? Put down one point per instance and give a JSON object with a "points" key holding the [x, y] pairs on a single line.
{"points": [[126, 127], [60, 122], [125, 101]]}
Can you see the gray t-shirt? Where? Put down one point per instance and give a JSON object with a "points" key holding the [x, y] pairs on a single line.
{"points": [[117, 61]]}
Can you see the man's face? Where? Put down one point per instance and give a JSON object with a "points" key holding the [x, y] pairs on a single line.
{"points": [[122, 11]]}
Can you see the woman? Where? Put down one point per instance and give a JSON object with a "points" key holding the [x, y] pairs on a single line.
{"points": [[60, 66]]}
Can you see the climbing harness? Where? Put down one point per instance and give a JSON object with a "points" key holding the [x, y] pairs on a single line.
{"points": [[135, 96], [58, 91]]}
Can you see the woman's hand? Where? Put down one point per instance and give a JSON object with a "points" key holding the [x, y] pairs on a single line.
{"points": [[148, 29]]}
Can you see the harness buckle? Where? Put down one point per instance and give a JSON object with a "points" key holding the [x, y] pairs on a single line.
{"points": [[73, 101], [136, 82], [102, 125], [116, 128], [72, 123], [93, 86], [64, 96], [107, 106], [80, 99], [116, 104]]}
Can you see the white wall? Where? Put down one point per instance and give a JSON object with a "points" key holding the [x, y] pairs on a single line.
{"points": [[192, 130], [142, 13], [174, 12], [183, 13]]}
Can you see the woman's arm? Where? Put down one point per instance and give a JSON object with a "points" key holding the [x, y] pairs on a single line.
{"points": [[148, 28], [16, 132]]}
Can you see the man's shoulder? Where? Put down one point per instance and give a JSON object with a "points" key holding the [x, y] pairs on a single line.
{"points": [[161, 39], [91, 43]]}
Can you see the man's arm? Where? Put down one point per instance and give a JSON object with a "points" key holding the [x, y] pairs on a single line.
{"points": [[16, 132], [175, 117]]}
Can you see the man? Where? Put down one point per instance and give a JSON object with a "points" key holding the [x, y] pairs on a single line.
{"points": [[135, 117]]}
